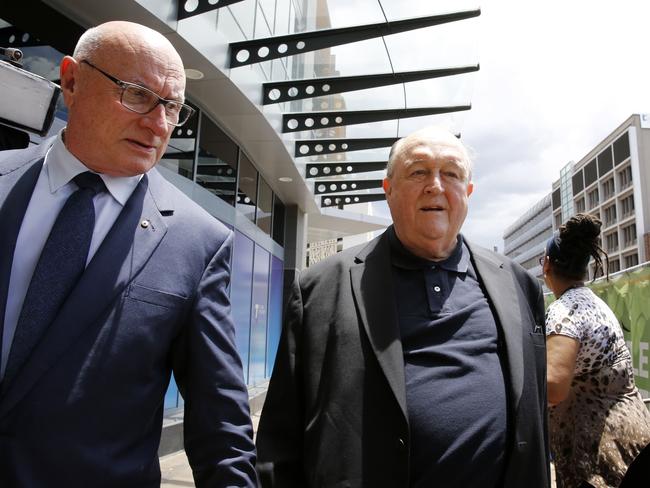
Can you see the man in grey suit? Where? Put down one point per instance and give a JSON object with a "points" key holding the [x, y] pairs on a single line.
{"points": [[110, 279], [417, 360]]}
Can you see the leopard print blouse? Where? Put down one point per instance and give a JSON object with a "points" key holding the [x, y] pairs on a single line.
{"points": [[598, 430]]}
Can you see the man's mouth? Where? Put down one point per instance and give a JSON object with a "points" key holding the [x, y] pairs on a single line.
{"points": [[432, 208], [141, 144]]}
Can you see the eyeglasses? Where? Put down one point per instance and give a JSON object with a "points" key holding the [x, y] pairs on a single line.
{"points": [[141, 100], [541, 261]]}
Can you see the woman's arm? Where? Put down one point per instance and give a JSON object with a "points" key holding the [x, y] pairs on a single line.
{"points": [[561, 354]]}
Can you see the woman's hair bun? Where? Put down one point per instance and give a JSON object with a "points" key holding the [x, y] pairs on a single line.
{"points": [[581, 227]]}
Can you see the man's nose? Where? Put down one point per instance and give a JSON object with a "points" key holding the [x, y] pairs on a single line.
{"points": [[156, 120], [434, 183]]}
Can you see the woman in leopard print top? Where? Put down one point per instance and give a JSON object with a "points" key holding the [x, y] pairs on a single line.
{"points": [[598, 422]]}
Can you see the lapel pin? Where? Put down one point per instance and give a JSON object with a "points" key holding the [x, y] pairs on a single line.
{"points": [[144, 224]]}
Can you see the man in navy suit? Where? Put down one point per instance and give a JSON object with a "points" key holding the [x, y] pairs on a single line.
{"points": [[81, 399]]}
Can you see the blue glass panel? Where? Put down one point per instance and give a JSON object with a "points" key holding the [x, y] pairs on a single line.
{"points": [[259, 315], [240, 294], [275, 313], [171, 396]]}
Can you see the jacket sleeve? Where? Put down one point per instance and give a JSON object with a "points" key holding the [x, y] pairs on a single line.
{"points": [[218, 433], [280, 433]]}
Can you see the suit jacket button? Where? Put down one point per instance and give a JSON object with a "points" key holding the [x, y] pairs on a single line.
{"points": [[400, 444]]}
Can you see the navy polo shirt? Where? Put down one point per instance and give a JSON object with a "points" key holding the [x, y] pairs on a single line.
{"points": [[455, 388]]}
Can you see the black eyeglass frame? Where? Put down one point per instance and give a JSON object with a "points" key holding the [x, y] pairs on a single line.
{"points": [[161, 101]]}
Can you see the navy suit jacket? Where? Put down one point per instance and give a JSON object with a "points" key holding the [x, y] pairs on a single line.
{"points": [[335, 414], [86, 409]]}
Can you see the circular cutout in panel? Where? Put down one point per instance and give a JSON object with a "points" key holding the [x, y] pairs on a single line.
{"points": [[356, 199], [353, 185], [338, 169], [292, 124], [332, 147], [309, 122], [229, 171], [324, 121], [300, 45], [347, 200], [325, 88], [191, 5], [327, 201], [344, 146], [344, 186], [332, 187], [338, 120], [179, 132], [309, 90], [282, 48], [190, 132], [318, 148], [322, 188], [327, 170], [349, 168], [337, 200], [292, 92], [313, 171], [274, 94], [263, 52], [213, 2], [25, 37], [304, 149], [243, 55], [12, 38], [247, 200]]}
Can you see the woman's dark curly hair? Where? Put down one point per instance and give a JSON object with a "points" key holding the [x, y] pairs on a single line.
{"points": [[578, 242]]}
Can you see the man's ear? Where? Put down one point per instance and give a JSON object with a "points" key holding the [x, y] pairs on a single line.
{"points": [[470, 188], [386, 186], [68, 73]]}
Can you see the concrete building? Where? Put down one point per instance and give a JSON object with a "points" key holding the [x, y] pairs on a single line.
{"points": [[523, 241], [612, 182]]}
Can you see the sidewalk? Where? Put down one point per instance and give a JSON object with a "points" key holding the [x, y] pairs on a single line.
{"points": [[175, 470]]}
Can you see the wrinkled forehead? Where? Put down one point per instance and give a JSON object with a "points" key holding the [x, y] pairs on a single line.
{"points": [[435, 150]]}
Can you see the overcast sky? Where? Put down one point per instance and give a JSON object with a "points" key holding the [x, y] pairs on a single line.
{"points": [[556, 78]]}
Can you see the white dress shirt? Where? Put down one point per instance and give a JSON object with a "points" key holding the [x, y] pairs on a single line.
{"points": [[53, 187]]}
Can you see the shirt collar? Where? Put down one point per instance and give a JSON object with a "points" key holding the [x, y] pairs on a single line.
{"points": [[458, 260], [62, 166]]}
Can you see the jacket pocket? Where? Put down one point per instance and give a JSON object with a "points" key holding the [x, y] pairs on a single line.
{"points": [[156, 297]]}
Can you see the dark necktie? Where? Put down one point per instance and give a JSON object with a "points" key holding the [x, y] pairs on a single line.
{"points": [[59, 267]]}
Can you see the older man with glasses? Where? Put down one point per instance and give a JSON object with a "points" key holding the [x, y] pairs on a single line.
{"points": [[110, 280]]}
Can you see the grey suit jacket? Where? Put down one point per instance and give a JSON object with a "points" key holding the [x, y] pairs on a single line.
{"points": [[335, 413], [86, 408]]}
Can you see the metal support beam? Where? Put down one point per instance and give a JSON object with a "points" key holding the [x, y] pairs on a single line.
{"points": [[284, 91], [343, 168], [257, 50], [339, 186], [314, 147], [296, 122], [200, 7], [341, 200]]}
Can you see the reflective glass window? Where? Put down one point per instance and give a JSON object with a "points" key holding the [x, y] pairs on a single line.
{"points": [[259, 314], [274, 327], [240, 294], [217, 162], [278, 221], [264, 206], [180, 153], [247, 192]]}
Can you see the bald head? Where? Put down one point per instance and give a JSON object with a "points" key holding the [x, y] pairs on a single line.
{"points": [[427, 135]]}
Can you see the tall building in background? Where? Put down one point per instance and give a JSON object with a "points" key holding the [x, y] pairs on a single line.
{"points": [[524, 240], [612, 182]]}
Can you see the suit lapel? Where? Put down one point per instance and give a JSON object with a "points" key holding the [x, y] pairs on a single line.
{"points": [[502, 294], [121, 256], [16, 190], [372, 287]]}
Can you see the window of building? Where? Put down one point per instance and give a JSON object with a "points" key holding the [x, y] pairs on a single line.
{"points": [[578, 183], [591, 172], [627, 206], [605, 162], [621, 149], [216, 170], [558, 220], [625, 178], [611, 241], [264, 206], [608, 189], [610, 215], [557, 199], [614, 265], [247, 191], [580, 205], [278, 220], [631, 260], [593, 198], [629, 235]]}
